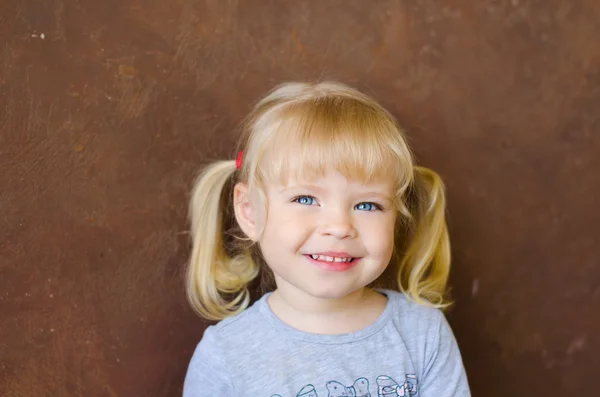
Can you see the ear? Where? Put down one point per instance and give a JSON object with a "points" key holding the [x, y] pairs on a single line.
{"points": [[244, 212]]}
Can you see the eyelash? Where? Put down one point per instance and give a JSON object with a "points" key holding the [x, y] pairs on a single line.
{"points": [[377, 206]]}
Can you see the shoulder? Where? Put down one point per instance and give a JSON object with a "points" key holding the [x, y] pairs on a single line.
{"points": [[212, 368], [407, 307], [431, 343], [238, 329], [424, 330], [415, 319]]}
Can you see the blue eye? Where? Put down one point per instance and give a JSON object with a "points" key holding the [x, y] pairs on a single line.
{"points": [[305, 200], [367, 207]]}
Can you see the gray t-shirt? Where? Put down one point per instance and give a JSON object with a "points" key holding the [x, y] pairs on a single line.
{"points": [[409, 350]]}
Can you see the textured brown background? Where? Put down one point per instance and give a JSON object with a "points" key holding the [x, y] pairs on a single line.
{"points": [[105, 121]]}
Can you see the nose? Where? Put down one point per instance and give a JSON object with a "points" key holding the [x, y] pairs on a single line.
{"points": [[339, 224]]}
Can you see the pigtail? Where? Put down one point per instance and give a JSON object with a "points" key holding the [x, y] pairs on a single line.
{"points": [[217, 279], [425, 264]]}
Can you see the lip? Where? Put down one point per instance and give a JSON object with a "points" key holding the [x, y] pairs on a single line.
{"points": [[333, 266], [338, 254]]}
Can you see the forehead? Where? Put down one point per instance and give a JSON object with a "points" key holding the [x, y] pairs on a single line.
{"points": [[334, 180], [305, 165]]}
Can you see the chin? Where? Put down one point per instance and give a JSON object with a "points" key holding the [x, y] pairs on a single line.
{"points": [[331, 292]]}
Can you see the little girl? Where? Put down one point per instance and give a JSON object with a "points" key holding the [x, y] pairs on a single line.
{"points": [[322, 206]]}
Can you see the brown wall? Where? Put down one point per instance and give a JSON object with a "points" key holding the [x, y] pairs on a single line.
{"points": [[105, 121]]}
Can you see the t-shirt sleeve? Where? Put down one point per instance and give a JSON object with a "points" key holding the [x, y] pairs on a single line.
{"points": [[207, 374], [444, 374]]}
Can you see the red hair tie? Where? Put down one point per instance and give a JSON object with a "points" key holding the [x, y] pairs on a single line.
{"points": [[238, 160]]}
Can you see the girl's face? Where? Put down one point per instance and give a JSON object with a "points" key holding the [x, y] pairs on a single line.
{"points": [[328, 237]]}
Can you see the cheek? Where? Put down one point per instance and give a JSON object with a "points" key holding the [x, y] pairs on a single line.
{"points": [[278, 221], [379, 237], [286, 229]]}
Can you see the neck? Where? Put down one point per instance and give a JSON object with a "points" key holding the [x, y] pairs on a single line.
{"points": [[316, 315]]}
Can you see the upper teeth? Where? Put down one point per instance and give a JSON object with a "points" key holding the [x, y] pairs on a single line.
{"points": [[330, 258]]}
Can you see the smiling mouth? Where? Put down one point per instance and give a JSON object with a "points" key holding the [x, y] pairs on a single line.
{"points": [[333, 263], [332, 259]]}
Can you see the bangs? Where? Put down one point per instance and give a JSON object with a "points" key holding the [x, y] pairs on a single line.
{"points": [[360, 141]]}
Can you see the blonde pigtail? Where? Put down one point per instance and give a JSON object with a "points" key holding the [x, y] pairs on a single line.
{"points": [[425, 265], [217, 283]]}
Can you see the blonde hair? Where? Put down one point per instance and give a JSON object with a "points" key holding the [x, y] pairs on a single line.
{"points": [[300, 130]]}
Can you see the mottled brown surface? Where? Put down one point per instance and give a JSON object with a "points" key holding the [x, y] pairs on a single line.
{"points": [[104, 122]]}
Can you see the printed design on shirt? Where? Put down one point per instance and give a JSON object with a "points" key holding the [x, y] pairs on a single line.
{"points": [[306, 391], [386, 387], [360, 388]]}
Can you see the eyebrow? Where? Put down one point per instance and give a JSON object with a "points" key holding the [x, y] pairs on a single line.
{"points": [[301, 187], [378, 194]]}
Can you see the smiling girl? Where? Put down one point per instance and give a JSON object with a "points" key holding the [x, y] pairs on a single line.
{"points": [[322, 199]]}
